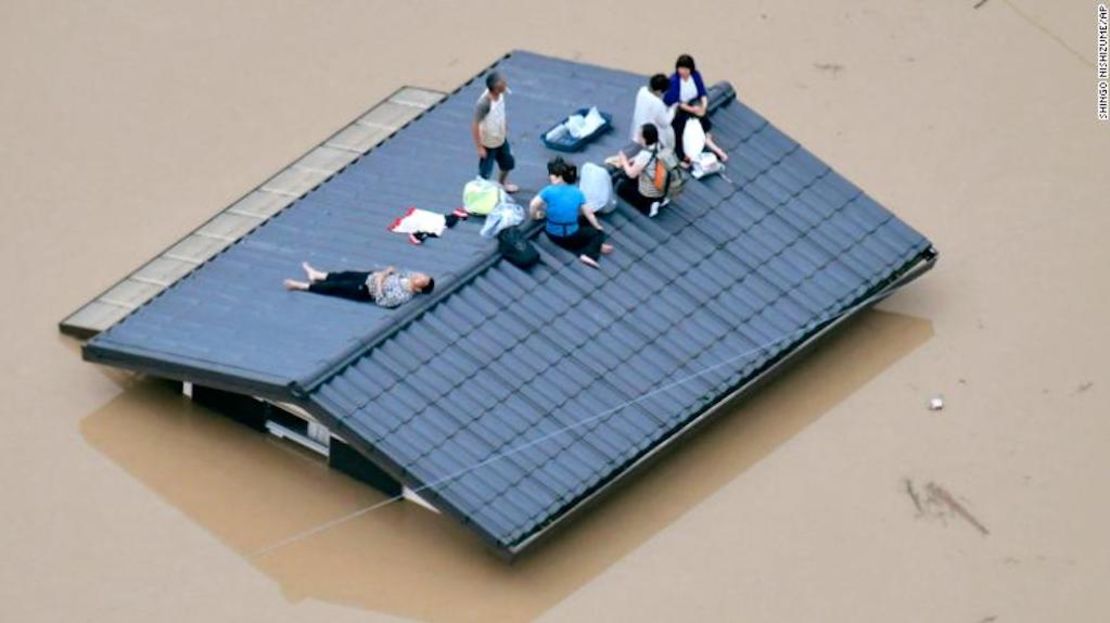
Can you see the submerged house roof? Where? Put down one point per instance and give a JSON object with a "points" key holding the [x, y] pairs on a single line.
{"points": [[509, 398]]}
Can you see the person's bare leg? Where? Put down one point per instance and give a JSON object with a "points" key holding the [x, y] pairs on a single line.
{"points": [[313, 274], [503, 178], [588, 261], [293, 284], [606, 249], [721, 155]]}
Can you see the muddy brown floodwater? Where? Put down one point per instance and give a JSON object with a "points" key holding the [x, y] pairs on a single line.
{"points": [[834, 494]]}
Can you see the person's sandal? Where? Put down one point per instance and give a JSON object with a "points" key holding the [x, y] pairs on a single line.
{"points": [[588, 261]]}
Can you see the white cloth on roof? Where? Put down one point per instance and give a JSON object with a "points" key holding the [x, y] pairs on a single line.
{"points": [[416, 220]]}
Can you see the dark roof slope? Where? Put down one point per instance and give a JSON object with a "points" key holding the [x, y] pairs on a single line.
{"points": [[513, 399], [231, 321], [521, 393]]}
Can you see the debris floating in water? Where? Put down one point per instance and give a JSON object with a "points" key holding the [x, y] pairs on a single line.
{"points": [[936, 403]]}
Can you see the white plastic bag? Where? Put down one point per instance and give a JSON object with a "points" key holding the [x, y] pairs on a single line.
{"points": [[706, 163], [504, 215], [576, 125], [557, 133], [693, 138], [597, 186], [581, 126], [594, 121]]}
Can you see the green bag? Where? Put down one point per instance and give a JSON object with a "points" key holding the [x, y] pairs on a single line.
{"points": [[481, 196]]}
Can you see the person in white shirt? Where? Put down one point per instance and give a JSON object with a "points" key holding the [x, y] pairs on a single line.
{"points": [[651, 109]]}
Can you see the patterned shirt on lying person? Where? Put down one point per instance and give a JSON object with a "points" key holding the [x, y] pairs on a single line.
{"points": [[385, 287], [395, 290], [361, 286]]}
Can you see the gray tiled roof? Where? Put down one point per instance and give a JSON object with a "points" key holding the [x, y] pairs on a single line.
{"points": [[511, 398], [231, 315]]}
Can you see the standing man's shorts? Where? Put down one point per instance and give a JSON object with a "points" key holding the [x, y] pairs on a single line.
{"points": [[504, 157]]}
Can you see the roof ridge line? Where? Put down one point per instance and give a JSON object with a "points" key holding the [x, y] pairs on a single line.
{"points": [[721, 94]]}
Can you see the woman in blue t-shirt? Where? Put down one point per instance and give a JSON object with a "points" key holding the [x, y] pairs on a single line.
{"points": [[570, 224]]}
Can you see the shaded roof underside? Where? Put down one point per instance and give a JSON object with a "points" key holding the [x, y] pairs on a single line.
{"points": [[512, 399]]}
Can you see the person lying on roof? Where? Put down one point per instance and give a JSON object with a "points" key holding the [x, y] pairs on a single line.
{"points": [[571, 224], [385, 288]]}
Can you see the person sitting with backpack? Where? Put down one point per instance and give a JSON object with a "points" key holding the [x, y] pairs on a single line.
{"points": [[649, 173], [385, 288], [570, 222]]}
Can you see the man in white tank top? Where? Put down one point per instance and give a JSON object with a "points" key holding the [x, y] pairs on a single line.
{"points": [[490, 131]]}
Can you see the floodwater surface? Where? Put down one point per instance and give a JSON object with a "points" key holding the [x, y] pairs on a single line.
{"points": [[253, 492], [833, 494]]}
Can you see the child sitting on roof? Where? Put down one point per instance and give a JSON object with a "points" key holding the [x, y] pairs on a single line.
{"points": [[385, 288], [570, 222]]}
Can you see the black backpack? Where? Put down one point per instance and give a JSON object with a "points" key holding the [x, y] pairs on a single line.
{"points": [[516, 248]]}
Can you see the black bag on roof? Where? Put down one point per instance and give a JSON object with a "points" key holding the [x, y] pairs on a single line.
{"points": [[516, 248]]}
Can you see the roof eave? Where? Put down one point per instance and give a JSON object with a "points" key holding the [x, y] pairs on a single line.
{"points": [[157, 364]]}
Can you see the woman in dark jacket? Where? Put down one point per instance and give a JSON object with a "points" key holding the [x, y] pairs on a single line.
{"points": [[687, 93]]}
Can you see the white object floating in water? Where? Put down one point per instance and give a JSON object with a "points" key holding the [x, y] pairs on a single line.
{"points": [[936, 403]]}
